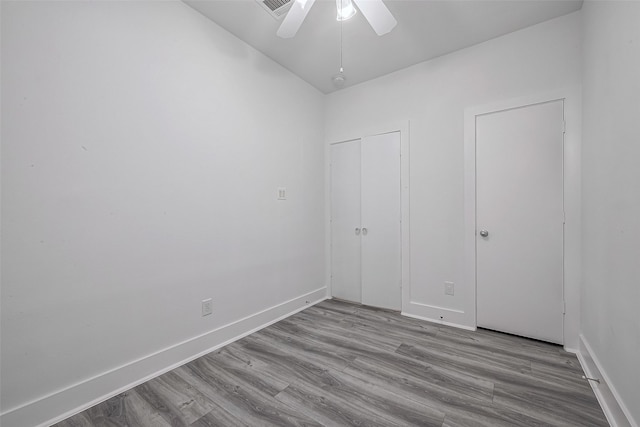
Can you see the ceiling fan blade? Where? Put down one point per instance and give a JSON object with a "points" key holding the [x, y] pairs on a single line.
{"points": [[294, 18], [379, 17]]}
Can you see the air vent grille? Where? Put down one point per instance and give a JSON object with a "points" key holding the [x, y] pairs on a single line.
{"points": [[274, 4], [276, 8]]}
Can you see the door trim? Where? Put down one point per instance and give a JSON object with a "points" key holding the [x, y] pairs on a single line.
{"points": [[470, 189], [404, 128]]}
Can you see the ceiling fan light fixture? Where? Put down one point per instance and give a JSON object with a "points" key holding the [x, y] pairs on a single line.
{"points": [[346, 10], [339, 79]]}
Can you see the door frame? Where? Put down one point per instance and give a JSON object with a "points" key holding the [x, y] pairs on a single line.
{"points": [[571, 196], [405, 258]]}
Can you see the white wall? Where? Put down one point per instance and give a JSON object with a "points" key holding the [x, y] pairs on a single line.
{"points": [[142, 147], [433, 95], [611, 196]]}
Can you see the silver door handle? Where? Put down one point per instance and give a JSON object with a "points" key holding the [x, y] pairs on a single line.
{"points": [[364, 231], [484, 233], [357, 231]]}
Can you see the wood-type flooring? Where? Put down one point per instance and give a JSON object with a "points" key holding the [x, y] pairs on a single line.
{"points": [[339, 364]]}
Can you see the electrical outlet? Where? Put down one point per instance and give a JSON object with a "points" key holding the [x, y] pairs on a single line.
{"points": [[207, 306], [448, 288]]}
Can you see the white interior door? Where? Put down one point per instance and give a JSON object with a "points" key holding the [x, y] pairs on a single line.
{"points": [[519, 191], [381, 228], [345, 221]]}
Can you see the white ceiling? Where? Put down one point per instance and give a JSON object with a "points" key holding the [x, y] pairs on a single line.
{"points": [[426, 29]]}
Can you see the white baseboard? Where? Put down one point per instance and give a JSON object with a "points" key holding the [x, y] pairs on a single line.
{"points": [[439, 315], [71, 400], [614, 409], [571, 350]]}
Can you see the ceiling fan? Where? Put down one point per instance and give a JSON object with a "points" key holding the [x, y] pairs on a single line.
{"points": [[375, 11]]}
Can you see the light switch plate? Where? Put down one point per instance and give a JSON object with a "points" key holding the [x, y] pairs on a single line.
{"points": [[282, 193]]}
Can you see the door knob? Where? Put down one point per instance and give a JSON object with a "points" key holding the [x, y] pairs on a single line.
{"points": [[364, 231], [484, 233], [357, 231]]}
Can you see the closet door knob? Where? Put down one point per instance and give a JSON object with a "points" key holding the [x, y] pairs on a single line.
{"points": [[364, 231], [357, 231]]}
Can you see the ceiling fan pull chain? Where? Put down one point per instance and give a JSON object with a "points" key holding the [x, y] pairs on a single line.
{"points": [[341, 70], [338, 79]]}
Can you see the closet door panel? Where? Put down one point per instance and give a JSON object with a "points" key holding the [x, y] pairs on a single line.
{"points": [[381, 228], [345, 221]]}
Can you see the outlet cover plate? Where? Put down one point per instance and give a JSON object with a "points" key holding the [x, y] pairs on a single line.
{"points": [[207, 307], [448, 288]]}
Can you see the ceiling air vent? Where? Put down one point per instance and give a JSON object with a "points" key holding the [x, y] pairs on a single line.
{"points": [[276, 8]]}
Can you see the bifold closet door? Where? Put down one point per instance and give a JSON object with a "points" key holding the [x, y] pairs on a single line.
{"points": [[381, 228], [345, 221]]}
